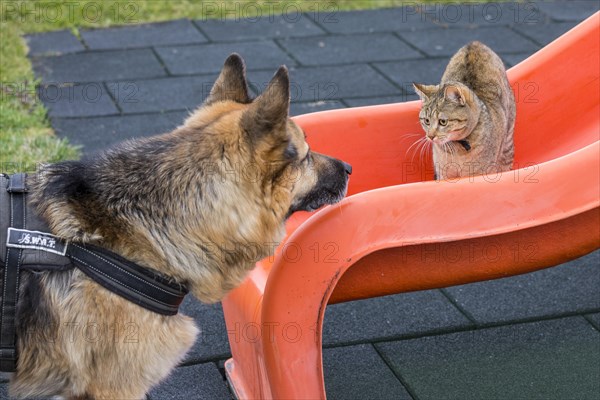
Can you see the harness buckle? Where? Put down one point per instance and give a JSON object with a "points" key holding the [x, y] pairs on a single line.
{"points": [[16, 183]]}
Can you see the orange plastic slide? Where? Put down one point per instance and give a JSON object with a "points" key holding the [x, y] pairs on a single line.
{"points": [[400, 231]]}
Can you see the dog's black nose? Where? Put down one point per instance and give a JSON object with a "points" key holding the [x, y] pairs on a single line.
{"points": [[347, 168]]}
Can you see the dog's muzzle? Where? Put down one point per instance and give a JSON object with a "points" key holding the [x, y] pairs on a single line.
{"points": [[331, 188]]}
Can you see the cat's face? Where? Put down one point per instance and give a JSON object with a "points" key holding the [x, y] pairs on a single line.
{"points": [[448, 113]]}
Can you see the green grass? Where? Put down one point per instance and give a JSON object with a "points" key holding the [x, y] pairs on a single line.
{"points": [[25, 134]]}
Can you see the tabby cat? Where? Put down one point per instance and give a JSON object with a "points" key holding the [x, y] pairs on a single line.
{"points": [[470, 116]]}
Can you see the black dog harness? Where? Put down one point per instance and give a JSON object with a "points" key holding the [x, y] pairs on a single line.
{"points": [[28, 246]]}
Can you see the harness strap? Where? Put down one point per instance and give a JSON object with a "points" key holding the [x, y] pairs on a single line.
{"points": [[127, 279], [10, 286], [123, 277]]}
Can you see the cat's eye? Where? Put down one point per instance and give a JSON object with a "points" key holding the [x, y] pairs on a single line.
{"points": [[443, 122], [426, 121]]}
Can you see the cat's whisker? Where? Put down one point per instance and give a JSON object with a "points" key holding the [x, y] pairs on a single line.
{"points": [[412, 145], [409, 135], [421, 148], [426, 148], [453, 154], [419, 144]]}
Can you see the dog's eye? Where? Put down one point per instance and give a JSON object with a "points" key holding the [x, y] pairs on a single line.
{"points": [[443, 122]]}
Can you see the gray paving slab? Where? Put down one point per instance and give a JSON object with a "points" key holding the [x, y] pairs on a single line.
{"points": [[198, 382], [100, 132], [595, 320], [489, 14], [571, 10], [567, 288], [98, 66], [314, 106], [145, 35], [329, 83], [510, 60], [209, 58], [543, 34], [372, 101], [264, 26], [328, 50], [395, 316], [213, 342], [156, 95], [53, 43], [445, 42], [404, 73], [368, 21], [4, 391], [557, 359], [77, 100], [358, 372]]}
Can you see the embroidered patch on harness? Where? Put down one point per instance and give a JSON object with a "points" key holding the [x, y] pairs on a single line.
{"points": [[24, 239]]}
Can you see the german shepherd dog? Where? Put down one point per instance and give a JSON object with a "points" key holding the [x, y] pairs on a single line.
{"points": [[159, 202]]}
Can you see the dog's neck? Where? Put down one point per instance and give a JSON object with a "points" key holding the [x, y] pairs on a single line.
{"points": [[163, 226]]}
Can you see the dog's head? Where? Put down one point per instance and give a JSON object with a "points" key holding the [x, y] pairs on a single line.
{"points": [[271, 148]]}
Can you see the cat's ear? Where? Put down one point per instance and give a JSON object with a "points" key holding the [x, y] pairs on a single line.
{"points": [[425, 91], [455, 95]]}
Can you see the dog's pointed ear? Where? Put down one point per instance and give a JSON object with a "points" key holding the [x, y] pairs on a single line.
{"points": [[425, 91], [269, 110], [231, 83]]}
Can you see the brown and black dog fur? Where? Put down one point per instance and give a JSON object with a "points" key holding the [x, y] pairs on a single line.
{"points": [[228, 178]]}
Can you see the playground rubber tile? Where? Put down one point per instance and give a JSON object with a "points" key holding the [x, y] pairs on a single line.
{"points": [[545, 360], [314, 106], [445, 42], [158, 34], [568, 288], [368, 21], [178, 93], [198, 382], [212, 343], [327, 50], [53, 43], [209, 58], [510, 60], [394, 316], [453, 15], [265, 26], [101, 132], [595, 319], [98, 66], [372, 101], [78, 100], [571, 10], [404, 73], [543, 34], [329, 83], [358, 372]]}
